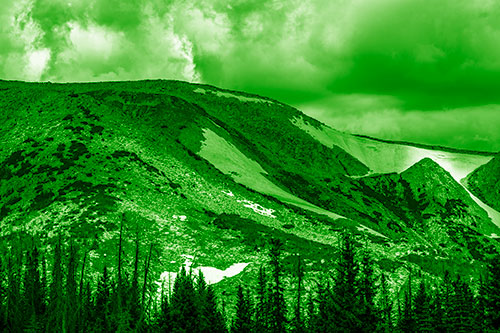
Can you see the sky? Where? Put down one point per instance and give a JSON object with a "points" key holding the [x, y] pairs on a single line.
{"points": [[415, 70]]}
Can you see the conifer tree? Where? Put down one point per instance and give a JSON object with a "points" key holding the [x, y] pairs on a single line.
{"points": [[345, 290], [367, 292], [423, 318], [242, 322], [492, 288], [298, 322], [480, 306], [102, 302], [72, 301], [437, 310], [13, 294], [262, 313], [325, 319], [33, 290], [386, 305], [183, 312], [56, 308], [213, 316], [3, 291], [462, 308], [277, 300]]}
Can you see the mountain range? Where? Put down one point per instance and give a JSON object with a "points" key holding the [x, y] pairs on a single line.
{"points": [[211, 174]]}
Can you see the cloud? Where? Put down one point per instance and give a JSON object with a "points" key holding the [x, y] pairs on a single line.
{"points": [[401, 55]]}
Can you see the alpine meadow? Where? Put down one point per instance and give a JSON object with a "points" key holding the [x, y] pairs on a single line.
{"points": [[249, 166]]}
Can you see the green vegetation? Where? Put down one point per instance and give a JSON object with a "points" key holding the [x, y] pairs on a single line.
{"points": [[54, 291]]}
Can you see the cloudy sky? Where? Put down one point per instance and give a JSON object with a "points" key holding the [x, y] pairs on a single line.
{"points": [[418, 70]]}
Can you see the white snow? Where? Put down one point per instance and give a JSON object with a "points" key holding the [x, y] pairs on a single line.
{"points": [[180, 217], [230, 95], [228, 193], [228, 159], [212, 275], [258, 208], [382, 157]]}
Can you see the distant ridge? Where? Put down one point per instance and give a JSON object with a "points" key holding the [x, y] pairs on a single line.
{"points": [[432, 147]]}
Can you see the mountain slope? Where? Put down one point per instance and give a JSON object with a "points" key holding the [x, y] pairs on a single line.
{"points": [[213, 174], [484, 182]]}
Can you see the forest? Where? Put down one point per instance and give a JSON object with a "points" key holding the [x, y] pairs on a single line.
{"points": [[57, 296]]}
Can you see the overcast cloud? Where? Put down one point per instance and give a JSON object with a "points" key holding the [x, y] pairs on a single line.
{"points": [[419, 70]]}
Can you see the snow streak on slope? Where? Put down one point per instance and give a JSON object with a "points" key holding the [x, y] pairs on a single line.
{"points": [[383, 157], [228, 159], [229, 95]]}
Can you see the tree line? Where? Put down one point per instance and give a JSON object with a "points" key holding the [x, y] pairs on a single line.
{"points": [[58, 296]]}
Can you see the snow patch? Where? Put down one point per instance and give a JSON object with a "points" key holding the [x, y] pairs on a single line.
{"points": [[258, 208], [228, 193], [229, 160], [179, 217], [230, 95], [384, 157], [212, 275]]}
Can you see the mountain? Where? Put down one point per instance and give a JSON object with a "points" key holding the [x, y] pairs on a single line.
{"points": [[210, 175], [484, 182]]}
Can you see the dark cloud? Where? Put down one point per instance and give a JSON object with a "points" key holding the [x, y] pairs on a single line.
{"points": [[405, 55]]}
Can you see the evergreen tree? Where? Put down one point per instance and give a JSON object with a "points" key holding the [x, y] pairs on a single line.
{"points": [[134, 305], [346, 287], [367, 292], [242, 322], [298, 322], [437, 311], [56, 308], [33, 290], [480, 305], [277, 300], [492, 290], [13, 295], [262, 313], [213, 316], [183, 313], [462, 308], [72, 301], [102, 302], [423, 318], [325, 319], [386, 306]]}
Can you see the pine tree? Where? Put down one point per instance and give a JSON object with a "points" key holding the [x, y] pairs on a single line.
{"points": [[277, 300], [367, 293], [242, 322], [134, 305], [72, 300], [56, 308], [262, 313], [298, 321], [437, 311], [462, 307], [102, 302], [325, 319], [345, 291], [13, 294], [33, 290], [213, 316], [183, 312], [480, 306], [492, 288], [386, 306], [423, 318]]}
